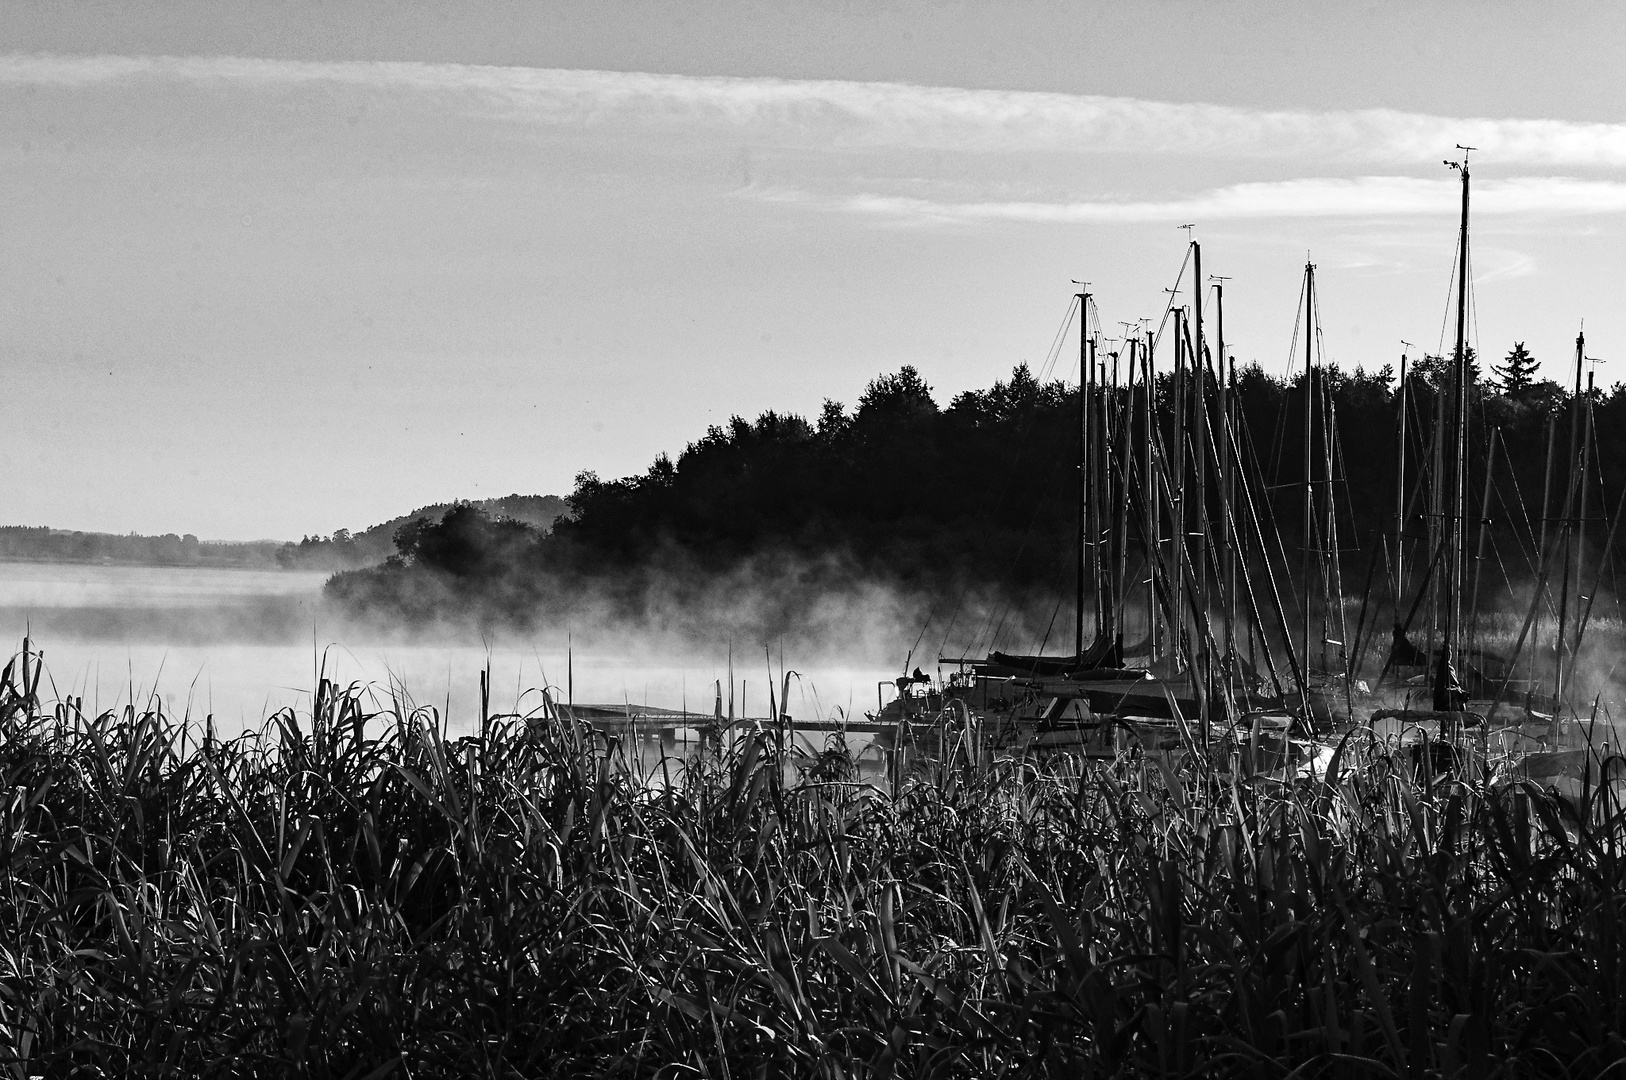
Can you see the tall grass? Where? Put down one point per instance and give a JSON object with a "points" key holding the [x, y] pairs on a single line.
{"points": [[349, 893]]}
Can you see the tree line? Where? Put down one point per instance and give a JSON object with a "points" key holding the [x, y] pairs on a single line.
{"points": [[39, 543], [981, 490]]}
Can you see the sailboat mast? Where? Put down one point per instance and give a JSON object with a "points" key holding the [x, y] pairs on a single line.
{"points": [[1223, 444], [1459, 466], [1149, 496], [1585, 461], [1092, 491], [1569, 521], [1083, 461], [1434, 582], [1583, 610], [1177, 499], [1123, 410], [1309, 480], [1455, 519], [1199, 391], [1400, 486]]}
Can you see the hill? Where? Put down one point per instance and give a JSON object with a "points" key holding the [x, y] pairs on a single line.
{"points": [[345, 550], [39, 543], [342, 550]]}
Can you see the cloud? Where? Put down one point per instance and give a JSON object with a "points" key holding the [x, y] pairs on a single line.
{"points": [[1366, 196], [891, 115]]}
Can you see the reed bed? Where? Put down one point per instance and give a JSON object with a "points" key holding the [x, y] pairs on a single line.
{"points": [[351, 893]]}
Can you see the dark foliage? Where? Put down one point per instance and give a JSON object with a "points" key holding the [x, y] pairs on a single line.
{"points": [[346, 551], [1518, 371], [983, 491], [353, 894]]}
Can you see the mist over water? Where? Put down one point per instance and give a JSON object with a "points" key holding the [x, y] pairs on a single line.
{"points": [[240, 644]]}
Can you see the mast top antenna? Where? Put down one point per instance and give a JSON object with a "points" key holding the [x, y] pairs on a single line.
{"points": [[1188, 226]]}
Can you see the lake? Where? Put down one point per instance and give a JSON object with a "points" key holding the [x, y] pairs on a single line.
{"points": [[240, 644]]}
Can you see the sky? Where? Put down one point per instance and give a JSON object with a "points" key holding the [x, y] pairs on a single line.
{"points": [[274, 269]]}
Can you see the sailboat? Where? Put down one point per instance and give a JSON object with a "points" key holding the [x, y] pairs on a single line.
{"points": [[1168, 495], [1468, 693]]}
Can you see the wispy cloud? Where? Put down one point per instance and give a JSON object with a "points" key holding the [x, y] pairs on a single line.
{"points": [[890, 114], [1367, 196]]}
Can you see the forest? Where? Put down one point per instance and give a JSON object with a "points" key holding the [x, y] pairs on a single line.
{"points": [[981, 493]]}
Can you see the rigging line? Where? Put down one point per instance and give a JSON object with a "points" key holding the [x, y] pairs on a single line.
{"points": [[1168, 309], [1053, 586], [1496, 549], [1620, 607], [1529, 525], [1528, 554], [1055, 611], [1256, 530], [1473, 308], [1450, 288], [1340, 471], [1057, 342], [1275, 528], [1095, 320], [1609, 543], [1278, 446], [918, 638]]}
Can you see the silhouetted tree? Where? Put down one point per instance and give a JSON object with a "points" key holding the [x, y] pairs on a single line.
{"points": [[1517, 372]]}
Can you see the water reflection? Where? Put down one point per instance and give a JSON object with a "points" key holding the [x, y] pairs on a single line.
{"points": [[239, 644]]}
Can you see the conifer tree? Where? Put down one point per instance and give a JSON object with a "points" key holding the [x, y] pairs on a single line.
{"points": [[1518, 371]]}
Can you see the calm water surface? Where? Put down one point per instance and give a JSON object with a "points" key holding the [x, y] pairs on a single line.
{"points": [[240, 644]]}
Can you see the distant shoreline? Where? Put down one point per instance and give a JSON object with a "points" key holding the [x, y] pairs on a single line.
{"points": [[197, 564]]}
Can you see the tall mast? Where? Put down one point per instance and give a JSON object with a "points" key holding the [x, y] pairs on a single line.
{"points": [[1436, 515], [1309, 437], [1149, 496], [1569, 520], [1546, 516], [1400, 486], [1177, 499], [1585, 463], [1459, 530], [1083, 460], [1223, 444], [1092, 491], [1123, 406], [1199, 398], [1455, 521]]}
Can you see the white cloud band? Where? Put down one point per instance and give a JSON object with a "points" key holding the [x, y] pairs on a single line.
{"points": [[891, 114], [1367, 196]]}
